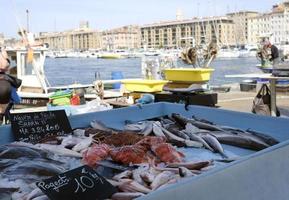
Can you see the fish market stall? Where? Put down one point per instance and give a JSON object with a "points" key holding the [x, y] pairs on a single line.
{"points": [[161, 151]]}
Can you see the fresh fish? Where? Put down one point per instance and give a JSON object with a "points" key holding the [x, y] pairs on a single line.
{"points": [[79, 132], [126, 195], [4, 163], [157, 130], [266, 138], [101, 126], [133, 186], [136, 174], [34, 193], [183, 121], [191, 165], [36, 168], [185, 172], [126, 174], [43, 197], [59, 150], [191, 128], [203, 120], [147, 130], [83, 144], [175, 130], [147, 177], [191, 132], [15, 151], [239, 140], [70, 141], [171, 181], [215, 144], [161, 179], [188, 143], [144, 127]]}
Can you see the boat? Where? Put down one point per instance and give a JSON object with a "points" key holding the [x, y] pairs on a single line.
{"points": [[248, 51], [241, 179], [116, 54], [36, 89], [226, 52]]}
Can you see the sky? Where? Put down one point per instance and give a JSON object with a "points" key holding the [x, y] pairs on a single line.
{"points": [[60, 15]]}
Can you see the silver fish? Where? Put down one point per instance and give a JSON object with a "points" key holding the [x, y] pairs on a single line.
{"points": [[215, 144], [157, 130], [83, 144], [144, 127], [191, 165], [79, 132], [191, 132], [59, 150], [191, 128], [147, 177], [148, 129], [183, 121], [239, 140], [161, 179], [188, 143], [70, 141], [126, 174], [43, 197], [185, 172], [133, 186], [34, 193], [266, 138], [137, 172], [126, 195], [101, 126]]}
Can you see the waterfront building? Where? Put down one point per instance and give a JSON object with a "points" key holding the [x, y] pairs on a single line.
{"points": [[274, 23], [185, 33], [79, 39], [240, 20], [126, 37]]}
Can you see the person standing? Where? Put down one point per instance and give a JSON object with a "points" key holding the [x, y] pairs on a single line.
{"points": [[5, 85], [274, 56], [8, 83]]}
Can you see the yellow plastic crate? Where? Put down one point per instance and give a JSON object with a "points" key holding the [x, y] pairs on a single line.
{"points": [[144, 85], [188, 74]]}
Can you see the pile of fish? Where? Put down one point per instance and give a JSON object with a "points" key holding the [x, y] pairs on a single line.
{"points": [[144, 153]]}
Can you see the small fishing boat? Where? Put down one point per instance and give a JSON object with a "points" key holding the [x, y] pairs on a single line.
{"points": [[36, 89]]}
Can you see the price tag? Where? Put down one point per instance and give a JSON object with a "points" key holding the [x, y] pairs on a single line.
{"points": [[78, 184], [36, 126]]}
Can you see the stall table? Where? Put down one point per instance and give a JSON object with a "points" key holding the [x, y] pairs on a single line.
{"points": [[272, 80]]}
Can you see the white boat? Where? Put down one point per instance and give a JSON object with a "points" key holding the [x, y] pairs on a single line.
{"points": [[248, 51], [35, 88], [228, 53]]}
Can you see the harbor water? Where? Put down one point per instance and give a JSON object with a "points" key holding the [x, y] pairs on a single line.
{"points": [[64, 71]]}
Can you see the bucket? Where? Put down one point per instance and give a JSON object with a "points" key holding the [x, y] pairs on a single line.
{"points": [[115, 76], [248, 85]]}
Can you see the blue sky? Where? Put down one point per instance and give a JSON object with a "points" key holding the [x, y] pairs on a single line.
{"points": [[103, 14]]}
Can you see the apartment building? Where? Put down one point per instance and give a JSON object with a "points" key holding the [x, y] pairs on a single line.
{"points": [[126, 37], [185, 33], [240, 20], [80, 39], [274, 23]]}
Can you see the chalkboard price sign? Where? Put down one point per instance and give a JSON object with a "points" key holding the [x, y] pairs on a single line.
{"points": [[36, 126], [78, 184]]}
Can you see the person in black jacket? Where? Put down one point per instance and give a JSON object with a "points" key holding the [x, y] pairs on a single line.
{"points": [[7, 83], [274, 56]]}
